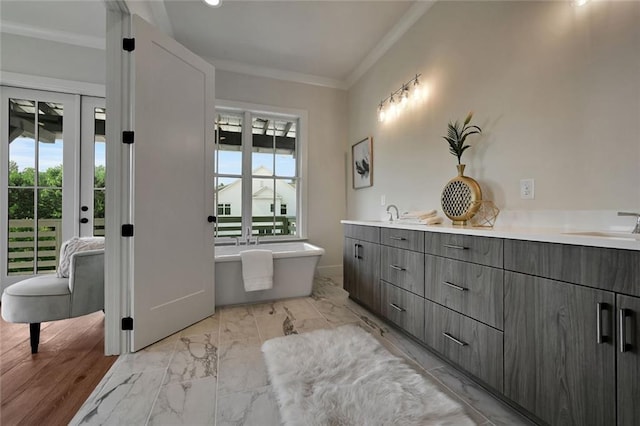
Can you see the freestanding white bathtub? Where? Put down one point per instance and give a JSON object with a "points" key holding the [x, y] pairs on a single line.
{"points": [[294, 266]]}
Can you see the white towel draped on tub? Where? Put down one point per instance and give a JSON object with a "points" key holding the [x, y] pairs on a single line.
{"points": [[257, 269]]}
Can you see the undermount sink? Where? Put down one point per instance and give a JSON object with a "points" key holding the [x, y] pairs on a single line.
{"points": [[625, 235]]}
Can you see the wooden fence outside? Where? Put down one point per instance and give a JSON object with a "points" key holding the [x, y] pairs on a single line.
{"points": [[23, 252]]}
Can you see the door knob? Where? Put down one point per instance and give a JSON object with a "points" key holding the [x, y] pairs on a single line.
{"points": [[211, 219], [84, 208], [84, 220]]}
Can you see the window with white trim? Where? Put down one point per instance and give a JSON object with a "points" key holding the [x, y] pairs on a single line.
{"points": [[257, 172]]}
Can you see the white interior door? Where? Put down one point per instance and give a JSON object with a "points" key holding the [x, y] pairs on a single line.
{"points": [[172, 186], [93, 158]]}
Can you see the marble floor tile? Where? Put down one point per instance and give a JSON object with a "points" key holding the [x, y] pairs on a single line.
{"points": [[209, 325], [214, 371], [195, 357], [257, 407], [237, 323], [496, 411], [335, 313], [154, 357], [186, 403], [239, 348], [242, 374], [270, 326], [295, 309], [310, 324], [126, 399]]}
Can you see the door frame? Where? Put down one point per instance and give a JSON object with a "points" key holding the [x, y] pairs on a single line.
{"points": [[118, 203]]}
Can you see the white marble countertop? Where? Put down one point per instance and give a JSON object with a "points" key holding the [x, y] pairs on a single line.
{"points": [[581, 237]]}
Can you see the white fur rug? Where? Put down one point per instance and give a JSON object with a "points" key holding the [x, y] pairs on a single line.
{"points": [[346, 377]]}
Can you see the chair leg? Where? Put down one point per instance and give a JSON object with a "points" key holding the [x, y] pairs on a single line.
{"points": [[34, 332]]}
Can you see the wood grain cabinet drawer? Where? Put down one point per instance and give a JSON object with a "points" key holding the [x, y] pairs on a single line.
{"points": [[361, 232], [482, 250], [474, 346], [474, 290], [605, 268], [403, 268], [402, 238], [403, 309]]}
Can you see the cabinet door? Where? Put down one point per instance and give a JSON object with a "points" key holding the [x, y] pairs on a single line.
{"points": [[349, 265], [628, 319], [369, 275], [554, 363]]}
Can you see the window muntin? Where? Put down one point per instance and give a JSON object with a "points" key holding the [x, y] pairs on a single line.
{"points": [[268, 155], [34, 186]]}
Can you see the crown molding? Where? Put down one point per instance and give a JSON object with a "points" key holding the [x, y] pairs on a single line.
{"points": [[159, 11], [277, 74], [53, 35], [412, 15]]}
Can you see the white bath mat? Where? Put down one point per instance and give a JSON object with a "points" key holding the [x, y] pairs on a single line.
{"points": [[345, 376]]}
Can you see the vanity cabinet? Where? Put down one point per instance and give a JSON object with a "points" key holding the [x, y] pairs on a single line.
{"points": [[571, 337], [559, 350], [628, 359], [361, 265], [553, 327]]}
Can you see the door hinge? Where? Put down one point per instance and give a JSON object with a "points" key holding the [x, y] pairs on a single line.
{"points": [[127, 230], [127, 323], [129, 44], [127, 136]]}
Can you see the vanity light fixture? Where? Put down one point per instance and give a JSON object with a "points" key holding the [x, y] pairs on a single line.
{"points": [[213, 3], [389, 107]]}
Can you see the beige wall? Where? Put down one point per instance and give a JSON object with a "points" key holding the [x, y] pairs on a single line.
{"points": [[556, 89], [327, 134], [31, 56]]}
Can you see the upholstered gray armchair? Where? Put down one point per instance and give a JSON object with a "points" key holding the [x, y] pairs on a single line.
{"points": [[49, 298]]}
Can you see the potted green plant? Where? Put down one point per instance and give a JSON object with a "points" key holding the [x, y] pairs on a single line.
{"points": [[461, 196], [457, 135]]}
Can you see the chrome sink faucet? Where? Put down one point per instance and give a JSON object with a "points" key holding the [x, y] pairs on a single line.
{"points": [[389, 207], [636, 230]]}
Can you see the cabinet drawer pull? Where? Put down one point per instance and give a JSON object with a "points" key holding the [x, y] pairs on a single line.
{"points": [[457, 287], [453, 339], [623, 332], [452, 246], [398, 238], [397, 308], [600, 337], [397, 268]]}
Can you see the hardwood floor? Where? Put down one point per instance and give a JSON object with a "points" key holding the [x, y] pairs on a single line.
{"points": [[50, 386]]}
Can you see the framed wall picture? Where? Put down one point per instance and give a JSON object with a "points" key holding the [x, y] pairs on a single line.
{"points": [[362, 163]]}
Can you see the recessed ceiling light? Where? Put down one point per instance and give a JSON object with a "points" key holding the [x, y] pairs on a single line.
{"points": [[213, 3], [580, 2]]}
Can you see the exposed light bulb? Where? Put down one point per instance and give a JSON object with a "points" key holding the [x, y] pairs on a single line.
{"points": [[404, 97], [214, 3], [393, 108], [381, 114]]}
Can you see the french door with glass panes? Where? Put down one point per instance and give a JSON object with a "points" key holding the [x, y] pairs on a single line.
{"points": [[92, 167], [40, 176]]}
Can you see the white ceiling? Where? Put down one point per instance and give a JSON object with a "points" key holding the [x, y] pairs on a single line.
{"points": [[322, 42]]}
